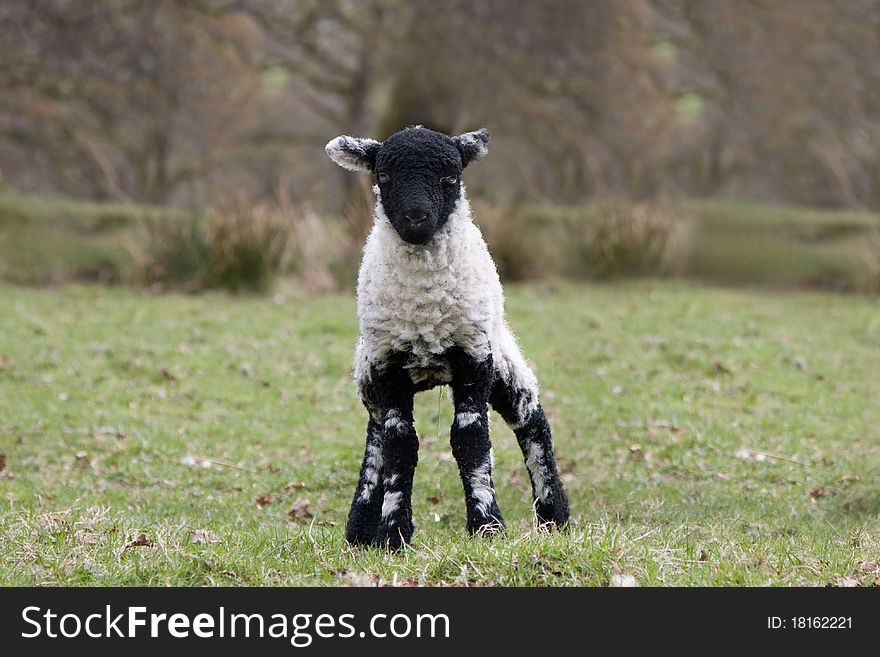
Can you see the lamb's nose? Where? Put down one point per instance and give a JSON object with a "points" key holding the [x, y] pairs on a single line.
{"points": [[416, 216]]}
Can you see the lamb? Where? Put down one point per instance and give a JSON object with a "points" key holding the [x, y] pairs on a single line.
{"points": [[431, 312]]}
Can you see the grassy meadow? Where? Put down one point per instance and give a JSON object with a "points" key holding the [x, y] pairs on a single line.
{"points": [[706, 437]]}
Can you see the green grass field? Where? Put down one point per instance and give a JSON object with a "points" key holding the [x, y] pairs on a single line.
{"points": [[706, 437]]}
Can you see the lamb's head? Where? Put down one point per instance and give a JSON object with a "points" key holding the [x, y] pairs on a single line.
{"points": [[418, 172]]}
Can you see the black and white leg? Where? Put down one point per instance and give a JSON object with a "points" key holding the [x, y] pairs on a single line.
{"points": [[366, 507], [521, 410], [400, 449], [469, 437]]}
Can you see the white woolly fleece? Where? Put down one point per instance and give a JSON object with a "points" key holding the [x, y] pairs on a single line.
{"points": [[426, 299]]}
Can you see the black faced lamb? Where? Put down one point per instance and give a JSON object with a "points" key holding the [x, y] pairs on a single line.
{"points": [[431, 312]]}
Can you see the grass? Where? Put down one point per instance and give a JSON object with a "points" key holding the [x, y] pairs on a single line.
{"points": [[706, 437]]}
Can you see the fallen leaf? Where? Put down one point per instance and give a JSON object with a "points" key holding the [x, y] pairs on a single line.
{"points": [[141, 540], [263, 500], [847, 582], [819, 492], [623, 580], [751, 455], [2, 462], [294, 485], [195, 462], [300, 510], [848, 479], [202, 536], [114, 432], [704, 555], [357, 579], [876, 581], [84, 538], [721, 368]]}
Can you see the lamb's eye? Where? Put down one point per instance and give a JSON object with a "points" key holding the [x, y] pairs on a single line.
{"points": [[383, 177], [449, 180]]}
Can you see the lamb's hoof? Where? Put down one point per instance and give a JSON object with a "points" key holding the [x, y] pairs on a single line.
{"points": [[360, 530], [394, 537], [489, 530], [485, 527], [359, 538], [552, 514]]}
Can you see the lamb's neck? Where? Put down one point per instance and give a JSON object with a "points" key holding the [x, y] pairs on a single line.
{"points": [[436, 255]]}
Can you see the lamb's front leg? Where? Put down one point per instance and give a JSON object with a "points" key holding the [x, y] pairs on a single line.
{"points": [[400, 447], [366, 507], [469, 436]]}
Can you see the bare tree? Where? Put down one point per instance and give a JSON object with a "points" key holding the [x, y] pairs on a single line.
{"points": [[122, 99]]}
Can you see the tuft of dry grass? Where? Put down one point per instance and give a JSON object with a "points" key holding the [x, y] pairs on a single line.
{"points": [[522, 248], [619, 238], [636, 239], [239, 247], [248, 246]]}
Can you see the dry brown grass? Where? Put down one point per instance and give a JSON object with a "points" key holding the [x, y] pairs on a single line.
{"points": [[244, 247], [167, 252], [237, 247], [522, 249], [628, 238], [618, 238], [249, 245]]}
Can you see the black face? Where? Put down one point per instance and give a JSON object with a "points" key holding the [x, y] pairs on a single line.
{"points": [[418, 172], [419, 176]]}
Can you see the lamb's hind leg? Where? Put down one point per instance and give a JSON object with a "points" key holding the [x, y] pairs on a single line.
{"points": [[516, 399], [469, 437]]}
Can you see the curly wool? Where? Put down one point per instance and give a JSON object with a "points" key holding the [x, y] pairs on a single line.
{"points": [[423, 300]]}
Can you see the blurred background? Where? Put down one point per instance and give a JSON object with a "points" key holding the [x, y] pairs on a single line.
{"points": [[178, 144]]}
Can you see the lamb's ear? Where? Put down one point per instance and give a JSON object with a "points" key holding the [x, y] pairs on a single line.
{"points": [[353, 153], [472, 145]]}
